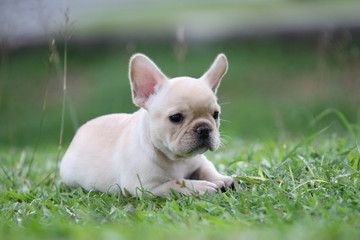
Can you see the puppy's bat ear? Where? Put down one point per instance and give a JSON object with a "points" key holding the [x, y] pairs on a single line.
{"points": [[215, 73], [145, 79]]}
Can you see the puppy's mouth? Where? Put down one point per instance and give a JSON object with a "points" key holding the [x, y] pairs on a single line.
{"points": [[197, 141], [202, 146]]}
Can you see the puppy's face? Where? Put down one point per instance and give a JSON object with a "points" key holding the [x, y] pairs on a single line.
{"points": [[184, 118], [183, 112]]}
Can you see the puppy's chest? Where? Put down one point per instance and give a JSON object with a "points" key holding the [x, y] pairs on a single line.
{"points": [[182, 169]]}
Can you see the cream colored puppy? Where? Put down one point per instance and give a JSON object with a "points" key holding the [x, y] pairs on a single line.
{"points": [[158, 148]]}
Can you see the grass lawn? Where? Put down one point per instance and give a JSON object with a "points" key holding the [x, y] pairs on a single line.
{"points": [[290, 190]]}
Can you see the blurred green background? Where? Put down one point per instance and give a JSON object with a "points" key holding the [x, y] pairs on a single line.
{"points": [[289, 61]]}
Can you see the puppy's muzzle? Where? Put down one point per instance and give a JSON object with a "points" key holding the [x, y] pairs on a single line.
{"points": [[203, 132]]}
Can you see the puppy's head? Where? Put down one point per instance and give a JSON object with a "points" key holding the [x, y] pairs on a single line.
{"points": [[183, 113]]}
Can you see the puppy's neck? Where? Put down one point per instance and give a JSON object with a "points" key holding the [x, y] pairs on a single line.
{"points": [[169, 156]]}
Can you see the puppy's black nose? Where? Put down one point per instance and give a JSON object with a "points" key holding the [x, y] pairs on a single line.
{"points": [[203, 131]]}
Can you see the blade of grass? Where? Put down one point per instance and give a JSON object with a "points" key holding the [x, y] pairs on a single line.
{"points": [[304, 141], [349, 127], [304, 183], [260, 172], [6, 174], [66, 38], [292, 175]]}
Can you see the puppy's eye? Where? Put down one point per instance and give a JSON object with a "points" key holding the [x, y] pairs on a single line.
{"points": [[176, 118], [216, 115]]}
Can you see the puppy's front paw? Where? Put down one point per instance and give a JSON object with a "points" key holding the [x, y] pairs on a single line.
{"points": [[203, 187], [223, 182]]}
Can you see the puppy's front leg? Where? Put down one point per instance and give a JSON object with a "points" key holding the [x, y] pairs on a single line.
{"points": [[208, 172], [186, 187]]}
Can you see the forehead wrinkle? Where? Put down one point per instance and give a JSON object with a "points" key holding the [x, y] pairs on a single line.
{"points": [[193, 106], [191, 92]]}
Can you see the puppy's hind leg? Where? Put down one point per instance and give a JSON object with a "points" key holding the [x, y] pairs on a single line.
{"points": [[185, 186]]}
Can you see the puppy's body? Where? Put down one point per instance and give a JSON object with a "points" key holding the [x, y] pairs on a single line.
{"points": [[146, 149]]}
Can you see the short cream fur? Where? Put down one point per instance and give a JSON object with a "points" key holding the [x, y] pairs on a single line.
{"points": [[151, 148]]}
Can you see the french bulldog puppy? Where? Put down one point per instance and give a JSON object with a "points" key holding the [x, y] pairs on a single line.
{"points": [[158, 148]]}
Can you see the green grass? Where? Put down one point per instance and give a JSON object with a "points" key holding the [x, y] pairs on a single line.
{"points": [[305, 189]]}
